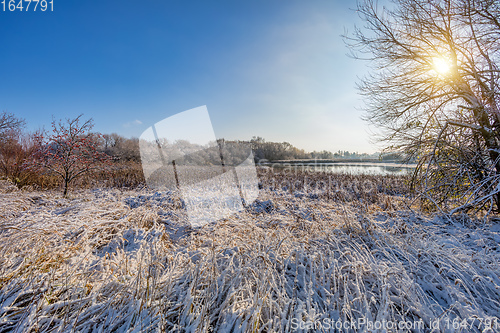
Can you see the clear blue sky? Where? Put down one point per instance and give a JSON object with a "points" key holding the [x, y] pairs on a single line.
{"points": [[272, 68]]}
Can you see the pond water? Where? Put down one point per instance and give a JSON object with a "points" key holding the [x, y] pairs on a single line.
{"points": [[354, 168]]}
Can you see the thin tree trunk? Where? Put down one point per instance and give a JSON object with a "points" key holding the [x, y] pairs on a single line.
{"points": [[66, 183], [491, 140]]}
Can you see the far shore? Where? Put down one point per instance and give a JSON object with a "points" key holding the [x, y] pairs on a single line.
{"points": [[337, 160]]}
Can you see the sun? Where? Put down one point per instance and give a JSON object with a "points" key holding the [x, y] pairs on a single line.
{"points": [[441, 65]]}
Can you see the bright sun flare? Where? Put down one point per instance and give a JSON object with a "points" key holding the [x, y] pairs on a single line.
{"points": [[441, 65]]}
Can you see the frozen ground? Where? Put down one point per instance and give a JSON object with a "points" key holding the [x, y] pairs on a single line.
{"points": [[128, 261]]}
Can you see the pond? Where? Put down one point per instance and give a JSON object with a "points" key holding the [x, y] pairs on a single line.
{"points": [[353, 168]]}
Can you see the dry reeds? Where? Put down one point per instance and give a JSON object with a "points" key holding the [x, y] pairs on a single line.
{"points": [[115, 260]]}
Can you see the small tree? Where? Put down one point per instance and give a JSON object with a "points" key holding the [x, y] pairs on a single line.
{"points": [[12, 148], [9, 124], [71, 151], [15, 149]]}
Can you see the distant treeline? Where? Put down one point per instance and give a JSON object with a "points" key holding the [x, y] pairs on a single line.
{"points": [[126, 149], [29, 159], [275, 151]]}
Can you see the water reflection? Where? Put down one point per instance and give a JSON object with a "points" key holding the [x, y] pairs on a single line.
{"points": [[353, 168]]}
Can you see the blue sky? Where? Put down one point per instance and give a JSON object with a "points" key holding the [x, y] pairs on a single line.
{"points": [[275, 68]]}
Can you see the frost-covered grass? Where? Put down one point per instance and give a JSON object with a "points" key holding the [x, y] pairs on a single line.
{"points": [[128, 261]]}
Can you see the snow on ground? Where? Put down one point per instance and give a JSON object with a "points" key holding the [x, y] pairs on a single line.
{"points": [[128, 261]]}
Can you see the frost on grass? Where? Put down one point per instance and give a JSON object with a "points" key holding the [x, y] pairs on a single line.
{"points": [[129, 261]]}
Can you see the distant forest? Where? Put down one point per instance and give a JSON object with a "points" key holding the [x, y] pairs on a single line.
{"points": [[128, 150], [275, 151]]}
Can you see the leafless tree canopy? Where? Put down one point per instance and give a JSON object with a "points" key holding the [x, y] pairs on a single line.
{"points": [[8, 122], [434, 92]]}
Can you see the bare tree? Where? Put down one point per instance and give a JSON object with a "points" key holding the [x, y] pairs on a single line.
{"points": [[121, 148], [434, 93], [15, 149], [9, 122], [12, 151]]}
